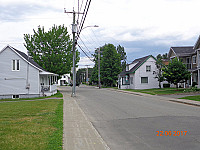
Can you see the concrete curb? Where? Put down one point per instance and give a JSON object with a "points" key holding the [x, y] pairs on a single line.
{"points": [[183, 101]]}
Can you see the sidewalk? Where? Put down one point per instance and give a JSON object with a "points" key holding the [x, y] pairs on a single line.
{"points": [[79, 133], [184, 101]]}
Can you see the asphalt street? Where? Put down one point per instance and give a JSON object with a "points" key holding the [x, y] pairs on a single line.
{"points": [[135, 122]]}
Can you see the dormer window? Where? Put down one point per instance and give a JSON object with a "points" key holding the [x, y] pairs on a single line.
{"points": [[15, 65]]}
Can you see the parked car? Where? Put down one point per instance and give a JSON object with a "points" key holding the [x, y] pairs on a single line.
{"points": [[77, 84]]}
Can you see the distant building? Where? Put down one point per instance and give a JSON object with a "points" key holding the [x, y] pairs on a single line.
{"points": [[190, 56], [65, 79], [21, 77]]}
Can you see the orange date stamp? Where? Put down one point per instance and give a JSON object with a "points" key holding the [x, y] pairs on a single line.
{"points": [[171, 133]]}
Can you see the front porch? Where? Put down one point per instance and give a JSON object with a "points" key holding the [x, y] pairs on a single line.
{"points": [[48, 83]]}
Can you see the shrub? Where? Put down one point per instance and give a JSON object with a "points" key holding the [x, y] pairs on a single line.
{"points": [[192, 89], [193, 84]]}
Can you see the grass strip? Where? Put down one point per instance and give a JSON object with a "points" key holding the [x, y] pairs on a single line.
{"points": [[162, 91], [56, 138], [194, 98]]}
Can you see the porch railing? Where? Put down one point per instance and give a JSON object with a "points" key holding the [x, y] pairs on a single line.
{"points": [[48, 88]]}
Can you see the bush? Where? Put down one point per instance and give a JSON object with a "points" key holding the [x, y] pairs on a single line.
{"points": [[192, 89], [193, 84], [166, 85]]}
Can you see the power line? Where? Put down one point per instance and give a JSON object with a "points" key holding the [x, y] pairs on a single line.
{"points": [[84, 17], [85, 46], [85, 52]]}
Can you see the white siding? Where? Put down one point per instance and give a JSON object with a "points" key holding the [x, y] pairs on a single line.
{"points": [[14, 82], [141, 72]]}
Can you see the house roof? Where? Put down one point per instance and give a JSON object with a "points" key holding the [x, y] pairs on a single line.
{"points": [[138, 62], [28, 59], [183, 50], [197, 43]]}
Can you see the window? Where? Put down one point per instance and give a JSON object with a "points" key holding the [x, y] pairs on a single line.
{"points": [[144, 79], [194, 59], [15, 96], [187, 60], [15, 65], [125, 80], [148, 68]]}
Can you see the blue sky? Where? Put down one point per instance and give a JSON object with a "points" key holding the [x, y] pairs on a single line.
{"points": [[143, 27]]}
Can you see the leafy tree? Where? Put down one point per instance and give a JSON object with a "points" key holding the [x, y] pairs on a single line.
{"points": [[123, 57], [52, 50], [176, 72], [110, 65], [164, 56], [159, 75], [160, 65], [159, 56]]}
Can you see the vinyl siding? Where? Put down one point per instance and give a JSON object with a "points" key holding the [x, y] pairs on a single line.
{"points": [[141, 72]]}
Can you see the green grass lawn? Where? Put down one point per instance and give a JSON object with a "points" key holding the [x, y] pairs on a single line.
{"points": [[31, 125], [163, 91], [195, 98]]}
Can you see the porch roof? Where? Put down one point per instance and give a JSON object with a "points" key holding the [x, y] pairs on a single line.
{"points": [[48, 73]]}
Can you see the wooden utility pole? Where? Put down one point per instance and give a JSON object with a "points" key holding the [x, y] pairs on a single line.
{"points": [[87, 74], [74, 30], [99, 67]]}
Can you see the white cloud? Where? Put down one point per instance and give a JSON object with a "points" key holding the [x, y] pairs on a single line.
{"points": [[85, 61], [164, 22]]}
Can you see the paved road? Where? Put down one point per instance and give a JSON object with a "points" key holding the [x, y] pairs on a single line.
{"points": [[131, 122]]}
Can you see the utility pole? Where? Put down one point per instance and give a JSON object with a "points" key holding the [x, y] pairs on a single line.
{"points": [[74, 30], [87, 73], [99, 67], [74, 56]]}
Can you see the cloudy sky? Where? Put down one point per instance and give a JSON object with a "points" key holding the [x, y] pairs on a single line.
{"points": [[143, 27]]}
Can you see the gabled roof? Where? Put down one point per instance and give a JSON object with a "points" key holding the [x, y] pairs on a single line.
{"points": [[182, 51], [139, 62], [197, 43], [28, 60]]}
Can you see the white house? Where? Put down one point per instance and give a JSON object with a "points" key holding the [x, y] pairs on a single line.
{"points": [[21, 77], [65, 79], [140, 74]]}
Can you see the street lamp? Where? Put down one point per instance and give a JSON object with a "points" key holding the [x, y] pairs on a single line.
{"points": [[90, 26], [78, 34]]}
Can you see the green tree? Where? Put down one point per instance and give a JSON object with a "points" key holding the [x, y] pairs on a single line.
{"points": [[52, 50], [123, 57], [110, 65], [159, 75], [176, 72], [95, 71]]}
